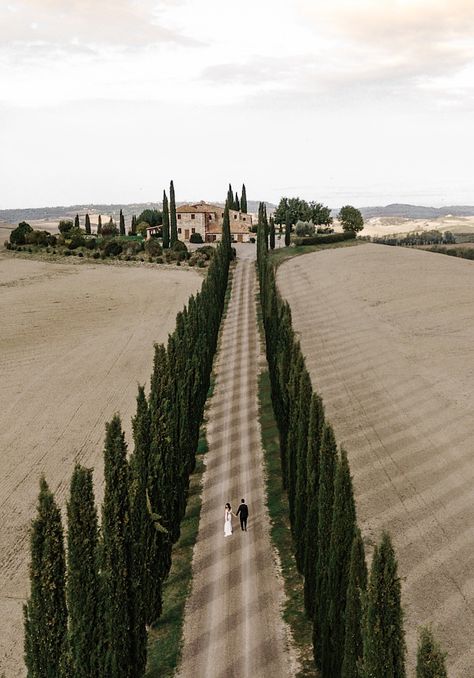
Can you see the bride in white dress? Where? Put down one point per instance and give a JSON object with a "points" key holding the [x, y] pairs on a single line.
{"points": [[227, 520]]}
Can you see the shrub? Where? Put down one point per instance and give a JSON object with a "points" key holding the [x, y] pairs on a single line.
{"points": [[303, 228], [112, 248], [153, 247], [67, 253], [77, 240], [96, 255], [110, 229], [80, 254], [7, 245], [252, 240], [18, 235], [91, 243], [159, 260], [200, 263], [132, 247], [141, 228], [179, 246], [325, 239], [65, 226], [196, 238], [207, 251]]}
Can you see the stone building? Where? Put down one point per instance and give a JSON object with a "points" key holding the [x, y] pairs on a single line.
{"points": [[206, 219]]}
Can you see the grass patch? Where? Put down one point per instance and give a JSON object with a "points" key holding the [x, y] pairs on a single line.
{"points": [[277, 501], [278, 256], [165, 639]]}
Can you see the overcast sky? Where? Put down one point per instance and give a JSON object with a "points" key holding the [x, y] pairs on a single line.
{"points": [[359, 101]]}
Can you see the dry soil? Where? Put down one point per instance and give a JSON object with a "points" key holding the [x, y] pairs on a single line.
{"points": [[389, 338], [233, 625], [75, 340]]}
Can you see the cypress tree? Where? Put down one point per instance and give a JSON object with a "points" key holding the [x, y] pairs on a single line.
{"points": [[77, 225], [230, 197], [236, 202], [287, 229], [383, 635], [117, 591], [226, 237], [327, 471], [45, 612], [243, 200], [166, 222], [315, 432], [354, 613], [430, 659], [297, 366], [301, 497], [133, 225], [122, 223], [272, 233], [172, 213], [342, 536], [88, 225], [99, 225], [83, 576]]}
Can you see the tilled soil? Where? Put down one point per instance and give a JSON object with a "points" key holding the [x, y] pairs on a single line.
{"points": [[74, 343], [388, 335], [233, 626]]}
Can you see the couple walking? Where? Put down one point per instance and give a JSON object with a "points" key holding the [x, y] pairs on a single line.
{"points": [[242, 513]]}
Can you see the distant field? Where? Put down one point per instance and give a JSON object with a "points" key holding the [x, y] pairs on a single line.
{"points": [[389, 337], [390, 225], [74, 343]]}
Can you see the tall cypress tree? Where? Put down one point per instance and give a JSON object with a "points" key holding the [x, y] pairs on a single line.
{"points": [[272, 233], [88, 225], [236, 202], [116, 561], [173, 222], [383, 634], [354, 611], [327, 472], [243, 200], [230, 197], [83, 576], [99, 225], [77, 224], [166, 222], [45, 612], [122, 223], [301, 497], [287, 228], [342, 536], [133, 225], [315, 433], [430, 659], [226, 237]]}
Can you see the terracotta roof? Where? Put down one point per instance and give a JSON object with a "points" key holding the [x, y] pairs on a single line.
{"points": [[199, 207]]}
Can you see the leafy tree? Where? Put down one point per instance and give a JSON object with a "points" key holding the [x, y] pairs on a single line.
{"points": [[288, 230], [122, 223], [430, 659], [83, 576], [88, 225], [110, 229], [166, 222], [294, 209], [383, 635], [45, 612], [303, 228], [19, 234], [243, 200], [152, 217], [342, 537], [327, 472], [116, 557], [320, 214], [351, 219], [142, 228], [173, 222], [272, 233], [315, 434], [353, 614], [65, 226], [99, 225]]}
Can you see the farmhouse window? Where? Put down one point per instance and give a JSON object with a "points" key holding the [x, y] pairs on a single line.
{"points": [[222, 213], [235, 216], [179, 230], [193, 216], [179, 216], [243, 218], [193, 230]]}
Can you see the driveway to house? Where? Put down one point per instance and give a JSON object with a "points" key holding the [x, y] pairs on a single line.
{"points": [[233, 626]]}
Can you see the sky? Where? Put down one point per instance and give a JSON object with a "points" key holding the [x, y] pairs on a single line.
{"points": [[365, 102]]}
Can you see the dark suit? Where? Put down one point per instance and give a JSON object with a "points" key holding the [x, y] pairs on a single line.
{"points": [[243, 513]]}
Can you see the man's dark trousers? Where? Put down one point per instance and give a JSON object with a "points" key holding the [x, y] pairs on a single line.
{"points": [[243, 513]]}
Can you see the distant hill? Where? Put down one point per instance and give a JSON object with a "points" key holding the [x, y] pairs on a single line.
{"points": [[417, 211]]}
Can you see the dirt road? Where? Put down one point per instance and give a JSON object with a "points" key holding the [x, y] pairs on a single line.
{"points": [[389, 338], [233, 626], [74, 342]]}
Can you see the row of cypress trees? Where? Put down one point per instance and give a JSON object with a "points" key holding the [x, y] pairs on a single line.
{"points": [[88, 611], [357, 617], [122, 229], [233, 200]]}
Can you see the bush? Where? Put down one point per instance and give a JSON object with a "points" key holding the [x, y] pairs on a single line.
{"points": [[153, 247], [196, 238], [325, 239], [109, 229], [7, 245], [159, 260], [141, 228], [18, 235], [132, 247], [252, 240], [67, 253], [303, 228], [77, 240], [112, 248], [41, 238], [80, 254], [96, 255], [91, 243], [65, 226], [179, 246], [207, 251]]}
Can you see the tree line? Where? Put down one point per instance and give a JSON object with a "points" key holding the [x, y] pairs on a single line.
{"points": [[90, 605], [357, 615]]}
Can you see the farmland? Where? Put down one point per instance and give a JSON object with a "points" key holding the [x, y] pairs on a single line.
{"points": [[388, 335], [75, 342]]}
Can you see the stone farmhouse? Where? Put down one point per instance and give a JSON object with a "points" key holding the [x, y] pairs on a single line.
{"points": [[206, 219]]}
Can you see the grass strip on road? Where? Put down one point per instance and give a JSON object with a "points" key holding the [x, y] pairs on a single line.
{"points": [[277, 502]]}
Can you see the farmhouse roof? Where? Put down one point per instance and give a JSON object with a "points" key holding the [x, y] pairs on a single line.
{"points": [[199, 207]]}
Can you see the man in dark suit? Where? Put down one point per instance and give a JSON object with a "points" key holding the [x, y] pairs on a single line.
{"points": [[243, 513]]}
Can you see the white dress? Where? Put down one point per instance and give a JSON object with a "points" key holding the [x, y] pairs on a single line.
{"points": [[227, 523]]}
